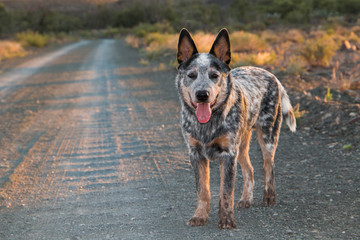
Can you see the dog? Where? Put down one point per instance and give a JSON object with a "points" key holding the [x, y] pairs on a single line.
{"points": [[219, 109]]}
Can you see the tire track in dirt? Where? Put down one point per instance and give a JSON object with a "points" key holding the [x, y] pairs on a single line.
{"points": [[102, 128]]}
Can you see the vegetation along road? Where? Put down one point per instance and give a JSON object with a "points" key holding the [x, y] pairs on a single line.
{"points": [[91, 148]]}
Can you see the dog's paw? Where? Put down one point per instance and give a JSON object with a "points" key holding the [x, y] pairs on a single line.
{"points": [[244, 203], [269, 199], [197, 221], [227, 222]]}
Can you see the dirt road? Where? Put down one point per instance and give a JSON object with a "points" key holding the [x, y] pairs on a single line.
{"points": [[91, 148]]}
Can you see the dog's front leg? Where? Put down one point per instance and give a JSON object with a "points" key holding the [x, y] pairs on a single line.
{"points": [[201, 168], [226, 201]]}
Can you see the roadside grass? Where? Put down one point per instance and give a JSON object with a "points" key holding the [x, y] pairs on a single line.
{"points": [[32, 39], [23, 42], [10, 49], [319, 51], [258, 59], [247, 42], [248, 48], [299, 113], [293, 52]]}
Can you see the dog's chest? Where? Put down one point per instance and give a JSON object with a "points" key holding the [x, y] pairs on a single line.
{"points": [[215, 149], [220, 147]]}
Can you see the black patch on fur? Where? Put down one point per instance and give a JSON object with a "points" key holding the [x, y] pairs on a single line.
{"points": [[196, 158], [269, 109], [219, 65], [186, 64], [229, 165], [228, 90]]}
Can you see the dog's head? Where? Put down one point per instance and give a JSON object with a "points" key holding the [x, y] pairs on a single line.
{"points": [[203, 77]]}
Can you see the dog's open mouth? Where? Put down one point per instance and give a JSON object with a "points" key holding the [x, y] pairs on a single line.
{"points": [[203, 110]]}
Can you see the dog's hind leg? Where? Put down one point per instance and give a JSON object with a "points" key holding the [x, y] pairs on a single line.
{"points": [[202, 171], [247, 172], [268, 136]]}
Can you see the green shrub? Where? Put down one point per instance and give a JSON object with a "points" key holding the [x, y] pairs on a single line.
{"points": [[159, 45], [110, 32], [319, 51], [196, 15], [144, 12], [328, 96], [32, 39], [5, 19], [295, 66], [142, 29], [156, 54]]}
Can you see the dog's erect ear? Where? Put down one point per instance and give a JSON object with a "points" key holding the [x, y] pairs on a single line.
{"points": [[186, 46], [221, 46]]}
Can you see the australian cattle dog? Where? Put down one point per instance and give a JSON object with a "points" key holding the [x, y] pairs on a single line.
{"points": [[220, 108]]}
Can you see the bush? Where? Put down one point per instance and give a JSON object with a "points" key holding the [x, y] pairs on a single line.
{"points": [[142, 29], [196, 15], [159, 45], [5, 19], [248, 42], [144, 12], [295, 66], [319, 51], [32, 39], [9, 49], [258, 59]]}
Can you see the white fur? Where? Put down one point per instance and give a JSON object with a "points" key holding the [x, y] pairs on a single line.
{"points": [[286, 108]]}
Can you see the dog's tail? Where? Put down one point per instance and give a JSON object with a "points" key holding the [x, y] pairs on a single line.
{"points": [[287, 110]]}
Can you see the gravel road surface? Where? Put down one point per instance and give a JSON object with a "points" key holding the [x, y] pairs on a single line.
{"points": [[91, 148]]}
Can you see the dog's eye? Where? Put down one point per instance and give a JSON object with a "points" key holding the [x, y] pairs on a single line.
{"points": [[214, 75], [192, 75]]}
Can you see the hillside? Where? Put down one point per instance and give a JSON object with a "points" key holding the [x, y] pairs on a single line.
{"points": [[59, 5]]}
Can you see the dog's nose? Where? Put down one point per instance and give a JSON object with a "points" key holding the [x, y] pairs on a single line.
{"points": [[202, 95]]}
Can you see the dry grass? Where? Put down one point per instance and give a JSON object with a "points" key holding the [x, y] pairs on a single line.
{"points": [[33, 39], [258, 59], [133, 41], [247, 42], [319, 51], [295, 66], [294, 35], [204, 41], [9, 49], [157, 41], [297, 112], [271, 37], [292, 52]]}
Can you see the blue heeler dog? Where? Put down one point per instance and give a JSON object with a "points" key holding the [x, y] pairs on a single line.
{"points": [[220, 108]]}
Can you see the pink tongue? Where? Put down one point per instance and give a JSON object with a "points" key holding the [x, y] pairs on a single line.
{"points": [[203, 112]]}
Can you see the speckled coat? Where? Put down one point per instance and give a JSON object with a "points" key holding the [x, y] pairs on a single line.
{"points": [[233, 103]]}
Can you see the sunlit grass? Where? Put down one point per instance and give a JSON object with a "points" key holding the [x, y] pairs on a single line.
{"points": [[297, 112], [9, 49], [33, 39], [319, 51], [292, 52], [258, 59], [295, 66], [247, 42], [133, 41]]}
